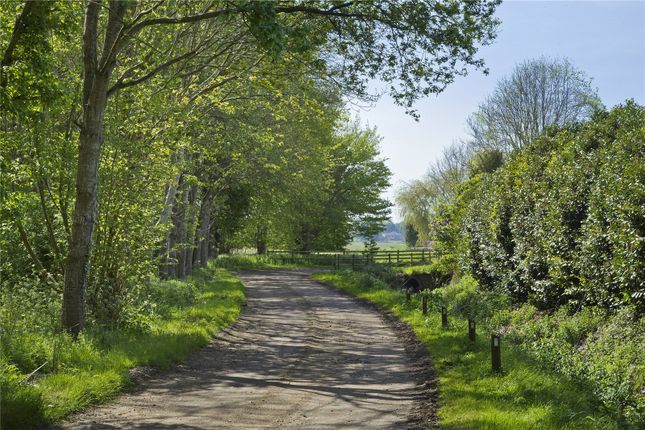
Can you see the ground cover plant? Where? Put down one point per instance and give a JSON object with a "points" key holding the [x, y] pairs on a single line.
{"points": [[534, 390], [169, 320]]}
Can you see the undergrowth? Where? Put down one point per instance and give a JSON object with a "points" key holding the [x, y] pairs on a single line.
{"points": [[181, 317]]}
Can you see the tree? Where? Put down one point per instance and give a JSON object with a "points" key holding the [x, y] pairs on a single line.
{"points": [[539, 93], [419, 200], [196, 47], [411, 236]]}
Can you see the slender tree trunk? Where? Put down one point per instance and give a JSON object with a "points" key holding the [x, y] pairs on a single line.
{"points": [[261, 239], [96, 81], [190, 231], [212, 243], [171, 260], [85, 209], [181, 235], [204, 227]]}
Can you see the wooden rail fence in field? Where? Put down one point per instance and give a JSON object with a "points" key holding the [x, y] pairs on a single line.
{"points": [[353, 259]]}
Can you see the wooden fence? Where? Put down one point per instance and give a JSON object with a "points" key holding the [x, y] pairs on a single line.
{"points": [[353, 259]]}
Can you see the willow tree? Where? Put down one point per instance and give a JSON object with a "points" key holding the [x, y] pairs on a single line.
{"points": [[418, 47]]}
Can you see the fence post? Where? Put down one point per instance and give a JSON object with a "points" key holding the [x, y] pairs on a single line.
{"points": [[471, 330], [424, 304], [398, 256], [496, 354], [389, 258], [353, 261], [444, 317]]}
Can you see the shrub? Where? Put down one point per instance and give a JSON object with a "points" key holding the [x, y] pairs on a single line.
{"points": [[597, 348], [563, 221]]}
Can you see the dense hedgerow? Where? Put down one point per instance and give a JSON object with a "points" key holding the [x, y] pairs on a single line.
{"points": [[562, 222]]}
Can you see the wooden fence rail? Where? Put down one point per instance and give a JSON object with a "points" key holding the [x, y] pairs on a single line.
{"points": [[353, 259]]}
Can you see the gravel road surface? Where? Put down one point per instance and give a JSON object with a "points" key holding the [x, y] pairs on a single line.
{"points": [[301, 356]]}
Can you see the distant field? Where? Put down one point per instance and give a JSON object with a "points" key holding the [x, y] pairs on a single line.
{"points": [[358, 245]]}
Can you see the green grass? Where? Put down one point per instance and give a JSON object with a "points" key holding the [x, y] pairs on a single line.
{"points": [[358, 245], [523, 396], [95, 368], [259, 262]]}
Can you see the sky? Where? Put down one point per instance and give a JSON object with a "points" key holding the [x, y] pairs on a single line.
{"points": [[606, 40]]}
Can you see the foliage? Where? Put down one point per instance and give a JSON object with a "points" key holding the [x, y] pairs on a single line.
{"points": [[539, 94], [411, 235], [466, 300], [562, 221], [600, 349]]}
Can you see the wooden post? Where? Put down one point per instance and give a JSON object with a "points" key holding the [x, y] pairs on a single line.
{"points": [[424, 304], [496, 353], [423, 258], [398, 256], [471, 330], [411, 258], [353, 261], [407, 295], [389, 258], [444, 317]]}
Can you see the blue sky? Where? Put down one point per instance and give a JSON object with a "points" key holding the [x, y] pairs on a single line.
{"points": [[606, 40]]}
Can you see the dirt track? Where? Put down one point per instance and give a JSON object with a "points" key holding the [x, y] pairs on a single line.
{"points": [[301, 355]]}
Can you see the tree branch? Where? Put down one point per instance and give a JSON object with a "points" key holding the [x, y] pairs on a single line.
{"points": [[125, 84]]}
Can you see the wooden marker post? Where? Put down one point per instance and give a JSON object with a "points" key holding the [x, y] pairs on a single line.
{"points": [[496, 353], [444, 317], [471, 330], [424, 304]]}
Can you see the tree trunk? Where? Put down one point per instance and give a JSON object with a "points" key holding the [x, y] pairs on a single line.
{"points": [[204, 227], [261, 239], [85, 209], [191, 214], [181, 235], [212, 243], [96, 79]]}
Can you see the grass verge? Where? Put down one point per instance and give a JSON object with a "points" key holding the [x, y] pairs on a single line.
{"points": [[523, 396], [96, 367], [257, 262]]}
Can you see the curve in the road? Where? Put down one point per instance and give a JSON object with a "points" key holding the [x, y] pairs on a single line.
{"points": [[300, 356]]}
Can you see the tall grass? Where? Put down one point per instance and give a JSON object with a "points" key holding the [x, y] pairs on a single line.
{"points": [[186, 315]]}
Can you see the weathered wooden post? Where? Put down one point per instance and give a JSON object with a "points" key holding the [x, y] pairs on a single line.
{"points": [[353, 261], [398, 256], [389, 258], [444, 317], [496, 353], [471, 330], [424, 305]]}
